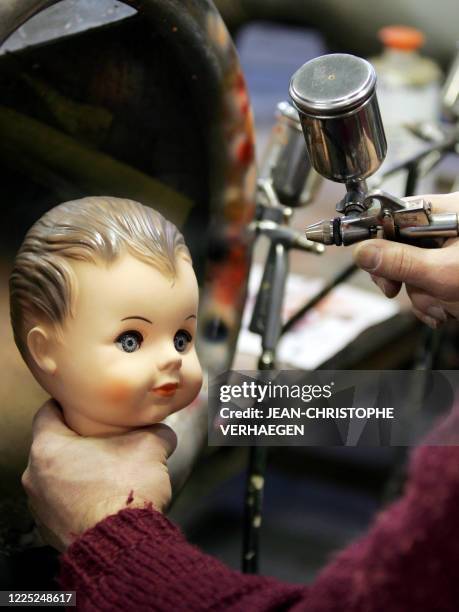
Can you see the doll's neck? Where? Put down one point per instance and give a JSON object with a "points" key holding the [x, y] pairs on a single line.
{"points": [[88, 427]]}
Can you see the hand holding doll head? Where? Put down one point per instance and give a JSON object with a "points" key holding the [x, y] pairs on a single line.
{"points": [[103, 305]]}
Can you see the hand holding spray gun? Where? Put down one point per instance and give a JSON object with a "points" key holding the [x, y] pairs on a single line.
{"points": [[336, 100], [335, 96]]}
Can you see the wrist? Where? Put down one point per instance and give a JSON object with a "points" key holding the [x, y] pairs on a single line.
{"points": [[112, 505], [120, 534], [100, 510]]}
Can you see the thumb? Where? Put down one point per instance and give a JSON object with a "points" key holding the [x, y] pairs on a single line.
{"points": [[397, 262], [166, 437], [162, 438]]}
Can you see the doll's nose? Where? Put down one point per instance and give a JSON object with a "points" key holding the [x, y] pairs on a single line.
{"points": [[169, 360]]}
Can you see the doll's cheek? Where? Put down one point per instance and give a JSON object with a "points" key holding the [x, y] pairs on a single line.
{"points": [[116, 391]]}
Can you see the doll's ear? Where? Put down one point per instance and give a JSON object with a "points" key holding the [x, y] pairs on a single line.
{"points": [[39, 343]]}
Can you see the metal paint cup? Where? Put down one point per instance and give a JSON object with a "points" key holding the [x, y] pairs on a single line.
{"points": [[335, 96]]}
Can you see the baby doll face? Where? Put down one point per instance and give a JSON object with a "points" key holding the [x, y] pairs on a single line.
{"points": [[127, 356]]}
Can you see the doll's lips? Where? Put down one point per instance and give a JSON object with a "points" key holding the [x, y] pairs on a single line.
{"points": [[167, 390]]}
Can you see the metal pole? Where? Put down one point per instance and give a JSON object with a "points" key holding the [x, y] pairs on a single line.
{"points": [[269, 304]]}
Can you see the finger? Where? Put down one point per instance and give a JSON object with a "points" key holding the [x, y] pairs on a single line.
{"points": [[432, 323], [166, 437], [26, 480], [426, 304], [388, 287], [441, 202], [400, 262], [49, 418]]}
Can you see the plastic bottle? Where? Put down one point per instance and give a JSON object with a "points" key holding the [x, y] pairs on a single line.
{"points": [[408, 92]]}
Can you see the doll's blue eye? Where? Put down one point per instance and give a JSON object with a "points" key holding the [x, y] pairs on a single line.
{"points": [[129, 341], [181, 340]]}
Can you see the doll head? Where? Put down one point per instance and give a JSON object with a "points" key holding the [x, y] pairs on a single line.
{"points": [[103, 306]]}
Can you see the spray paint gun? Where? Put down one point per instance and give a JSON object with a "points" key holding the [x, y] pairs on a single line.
{"points": [[335, 96]]}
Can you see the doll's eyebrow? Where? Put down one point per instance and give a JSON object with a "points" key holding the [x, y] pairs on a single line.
{"points": [[138, 317], [190, 317]]}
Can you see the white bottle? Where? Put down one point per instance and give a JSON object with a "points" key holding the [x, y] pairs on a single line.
{"points": [[408, 91]]}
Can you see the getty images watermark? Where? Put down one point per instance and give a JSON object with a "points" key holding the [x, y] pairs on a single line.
{"points": [[337, 408]]}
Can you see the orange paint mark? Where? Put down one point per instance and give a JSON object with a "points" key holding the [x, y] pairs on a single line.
{"points": [[240, 82], [229, 276], [245, 107], [245, 152]]}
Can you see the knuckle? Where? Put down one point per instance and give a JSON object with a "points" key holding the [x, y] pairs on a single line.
{"points": [[26, 480], [402, 264], [41, 454], [35, 454], [36, 419]]}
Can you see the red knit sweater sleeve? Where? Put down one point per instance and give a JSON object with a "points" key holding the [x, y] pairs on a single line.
{"points": [[138, 560]]}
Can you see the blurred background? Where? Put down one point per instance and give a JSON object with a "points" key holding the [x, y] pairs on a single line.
{"points": [[97, 97]]}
